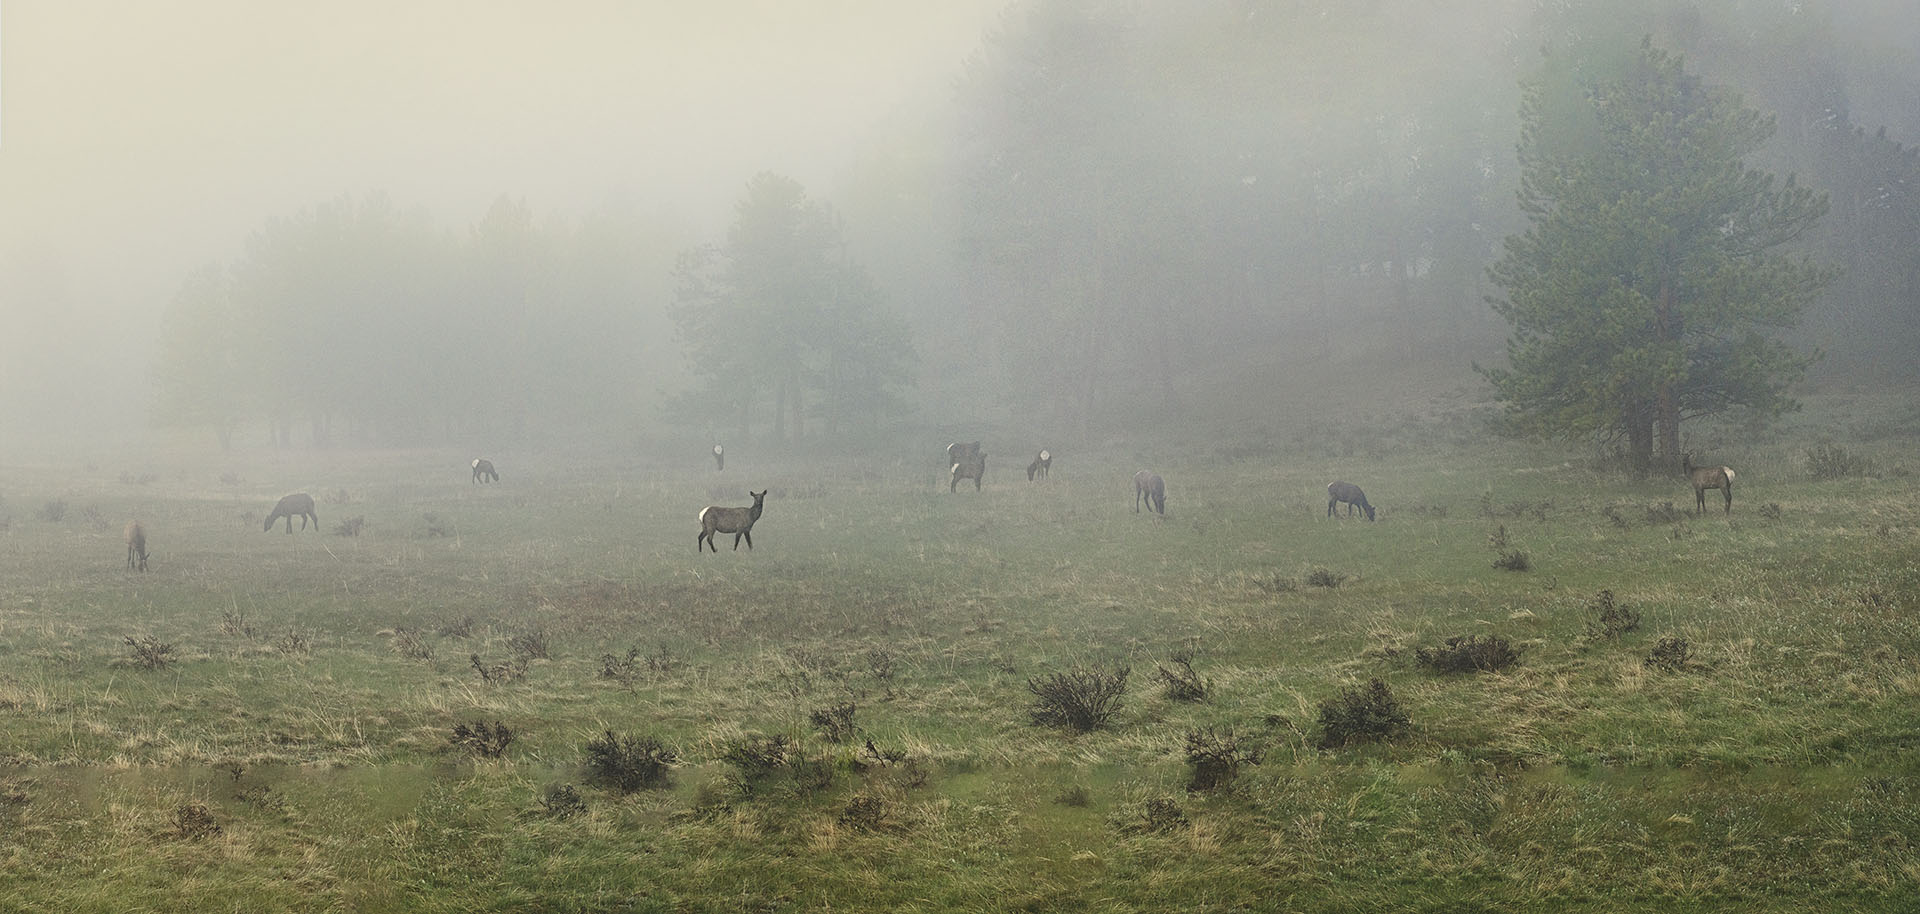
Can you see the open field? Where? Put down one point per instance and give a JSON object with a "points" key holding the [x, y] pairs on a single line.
{"points": [[294, 749]]}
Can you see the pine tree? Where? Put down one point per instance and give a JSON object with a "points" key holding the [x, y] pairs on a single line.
{"points": [[1646, 289]]}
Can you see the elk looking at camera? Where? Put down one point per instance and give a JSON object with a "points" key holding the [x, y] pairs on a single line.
{"points": [[1151, 488], [136, 545], [737, 521], [483, 470], [297, 505], [1349, 494], [1040, 465], [1704, 478]]}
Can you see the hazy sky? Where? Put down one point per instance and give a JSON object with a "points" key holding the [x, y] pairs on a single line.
{"points": [[144, 139]]}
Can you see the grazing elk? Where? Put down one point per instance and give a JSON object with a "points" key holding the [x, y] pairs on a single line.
{"points": [[737, 521], [968, 463], [1350, 494], [298, 505], [719, 457], [136, 545], [483, 470], [1040, 465], [1704, 478], [1153, 489]]}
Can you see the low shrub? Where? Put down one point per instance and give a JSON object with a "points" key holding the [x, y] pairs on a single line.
{"points": [[1670, 654], [1611, 620], [487, 740], [1468, 654], [630, 763], [1216, 757], [835, 723], [1325, 577], [1365, 714], [193, 822], [351, 526], [561, 801], [1513, 560], [1831, 461], [1181, 682], [757, 757], [149, 653], [409, 643], [530, 645], [1082, 699]]}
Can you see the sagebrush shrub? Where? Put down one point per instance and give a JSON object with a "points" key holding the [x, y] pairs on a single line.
{"points": [[1467, 654], [1670, 654], [487, 740], [562, 801], [1181, 682], [1365, 714], [1082, 699], [1611, 619], [835, 722], [629, 763], [1216, 757], [150, 653]]}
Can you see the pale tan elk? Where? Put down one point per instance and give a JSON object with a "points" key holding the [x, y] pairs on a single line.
{"points": [[737, 521], [297, 505], [1704, 478], [136, 545]]}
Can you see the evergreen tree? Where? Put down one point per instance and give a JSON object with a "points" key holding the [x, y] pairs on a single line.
{"points": [[1645, 290]]}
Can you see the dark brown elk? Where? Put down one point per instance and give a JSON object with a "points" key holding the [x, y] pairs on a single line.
{"points": [[483, 470], [136, 545], [737, 521], [1040, 465], [1349, 494], [1152, 489], [1704, 478], [968, 463], [297, 505]]}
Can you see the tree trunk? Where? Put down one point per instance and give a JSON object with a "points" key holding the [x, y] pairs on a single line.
{"points": [[1640, 444]]}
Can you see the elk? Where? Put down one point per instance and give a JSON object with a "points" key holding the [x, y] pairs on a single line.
{"points": [[298, 505], [483, 470], [1704, 478], [719, 457], [136, 545], [1338, 492], [968, 463], [1153, 489], [737, 521], [1040, 465]]}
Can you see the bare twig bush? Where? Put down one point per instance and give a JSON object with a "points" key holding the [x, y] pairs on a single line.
{"points": [[756, 757], [1513, 560], [1082, 699], [1365, 714], [409, 643], [562, 801], [193, 822], [1670, 654], [1180, 681], [487, 740], [236, 624], [1468, 654], [294, 641], [1662, 513], [1216, 757], [1157, 815], [457, 628], [149, 653], [530, 645], [514, 670], [624, 670], [1831, 461], [351, 526], [1770, 511], [630, 763], [1611, 620], [835, 722]]}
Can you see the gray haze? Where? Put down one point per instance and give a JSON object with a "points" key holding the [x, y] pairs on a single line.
{"points": [[1065, 209], [142, 141]]}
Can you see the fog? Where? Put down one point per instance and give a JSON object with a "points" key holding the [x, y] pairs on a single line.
{"points": [[1049, 209], [139, 142]]}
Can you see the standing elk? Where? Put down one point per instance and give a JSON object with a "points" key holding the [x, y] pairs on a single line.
{"points": [[1350, 494], [737, 521], [298, 505], [136, 545], [1153, 489], [1040, 465], [1704, 478], [719, 457], [483, 470], [968, 463]]}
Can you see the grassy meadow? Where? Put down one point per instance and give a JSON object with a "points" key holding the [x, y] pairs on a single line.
{"points": [[401, 719]]}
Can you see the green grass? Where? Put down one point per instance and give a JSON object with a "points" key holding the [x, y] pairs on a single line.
{"points": [[1778, 771]]}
